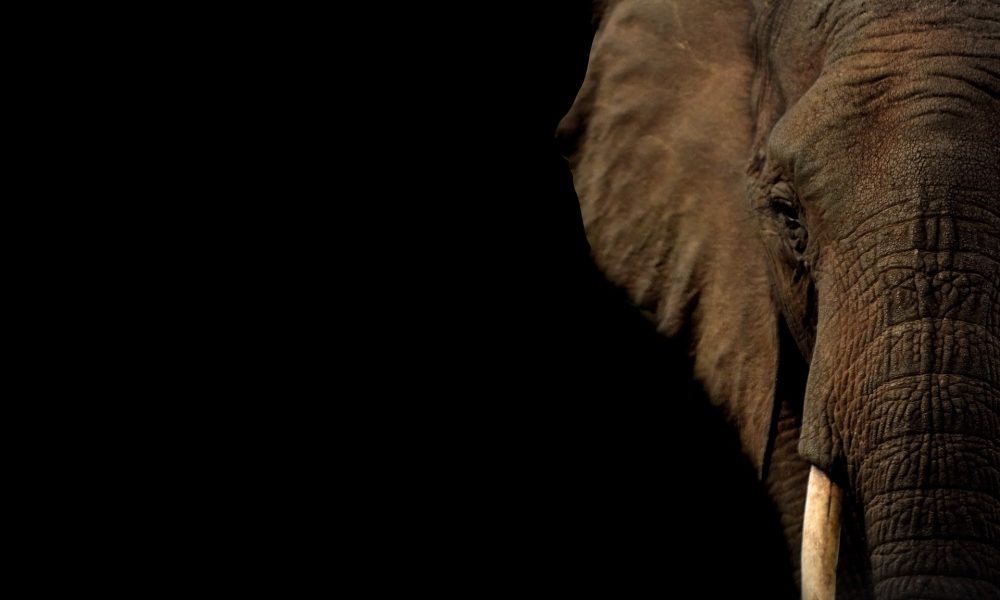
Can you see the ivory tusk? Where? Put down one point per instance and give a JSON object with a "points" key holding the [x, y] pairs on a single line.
{"points": [[820, 538]]}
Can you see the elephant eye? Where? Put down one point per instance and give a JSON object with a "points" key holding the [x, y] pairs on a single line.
{"points": [[787, 212]]}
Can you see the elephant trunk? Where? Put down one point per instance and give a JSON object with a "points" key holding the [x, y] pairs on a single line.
{"points": [[927, 474], [903, 400], [919, 452], [937, 541]]}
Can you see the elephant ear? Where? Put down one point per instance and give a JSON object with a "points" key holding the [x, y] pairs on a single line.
{"points": [[658, 140]]}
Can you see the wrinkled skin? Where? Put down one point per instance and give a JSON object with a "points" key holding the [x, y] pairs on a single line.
{"points": [[810, 191]]}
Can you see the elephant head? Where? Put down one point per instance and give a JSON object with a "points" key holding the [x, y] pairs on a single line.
{"points": [[810, 192]]}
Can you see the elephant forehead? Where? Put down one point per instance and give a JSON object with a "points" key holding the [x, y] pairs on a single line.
{"points": [[881, 68], [926, 121]]}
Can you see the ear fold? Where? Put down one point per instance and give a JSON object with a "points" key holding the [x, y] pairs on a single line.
{"points": [[658, 140]]}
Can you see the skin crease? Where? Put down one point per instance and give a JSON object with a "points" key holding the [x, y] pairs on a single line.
{"points": [[810, 190]]}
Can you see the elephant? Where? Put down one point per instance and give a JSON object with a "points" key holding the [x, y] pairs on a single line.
{"points": [[807, 193]]}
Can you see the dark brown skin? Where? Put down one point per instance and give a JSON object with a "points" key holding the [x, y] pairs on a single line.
{"points": [[811, 190]]}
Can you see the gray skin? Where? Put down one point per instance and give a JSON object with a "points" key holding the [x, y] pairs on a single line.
{"points": [[810, 191]]}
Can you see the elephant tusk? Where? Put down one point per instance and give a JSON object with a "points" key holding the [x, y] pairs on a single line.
{"points": [[820, 538]]}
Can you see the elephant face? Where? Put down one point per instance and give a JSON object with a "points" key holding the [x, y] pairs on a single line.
{"points": [[820, 179]]}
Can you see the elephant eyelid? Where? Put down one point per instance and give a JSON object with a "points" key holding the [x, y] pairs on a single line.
{"points": [[782, 190], [783, 203]]}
